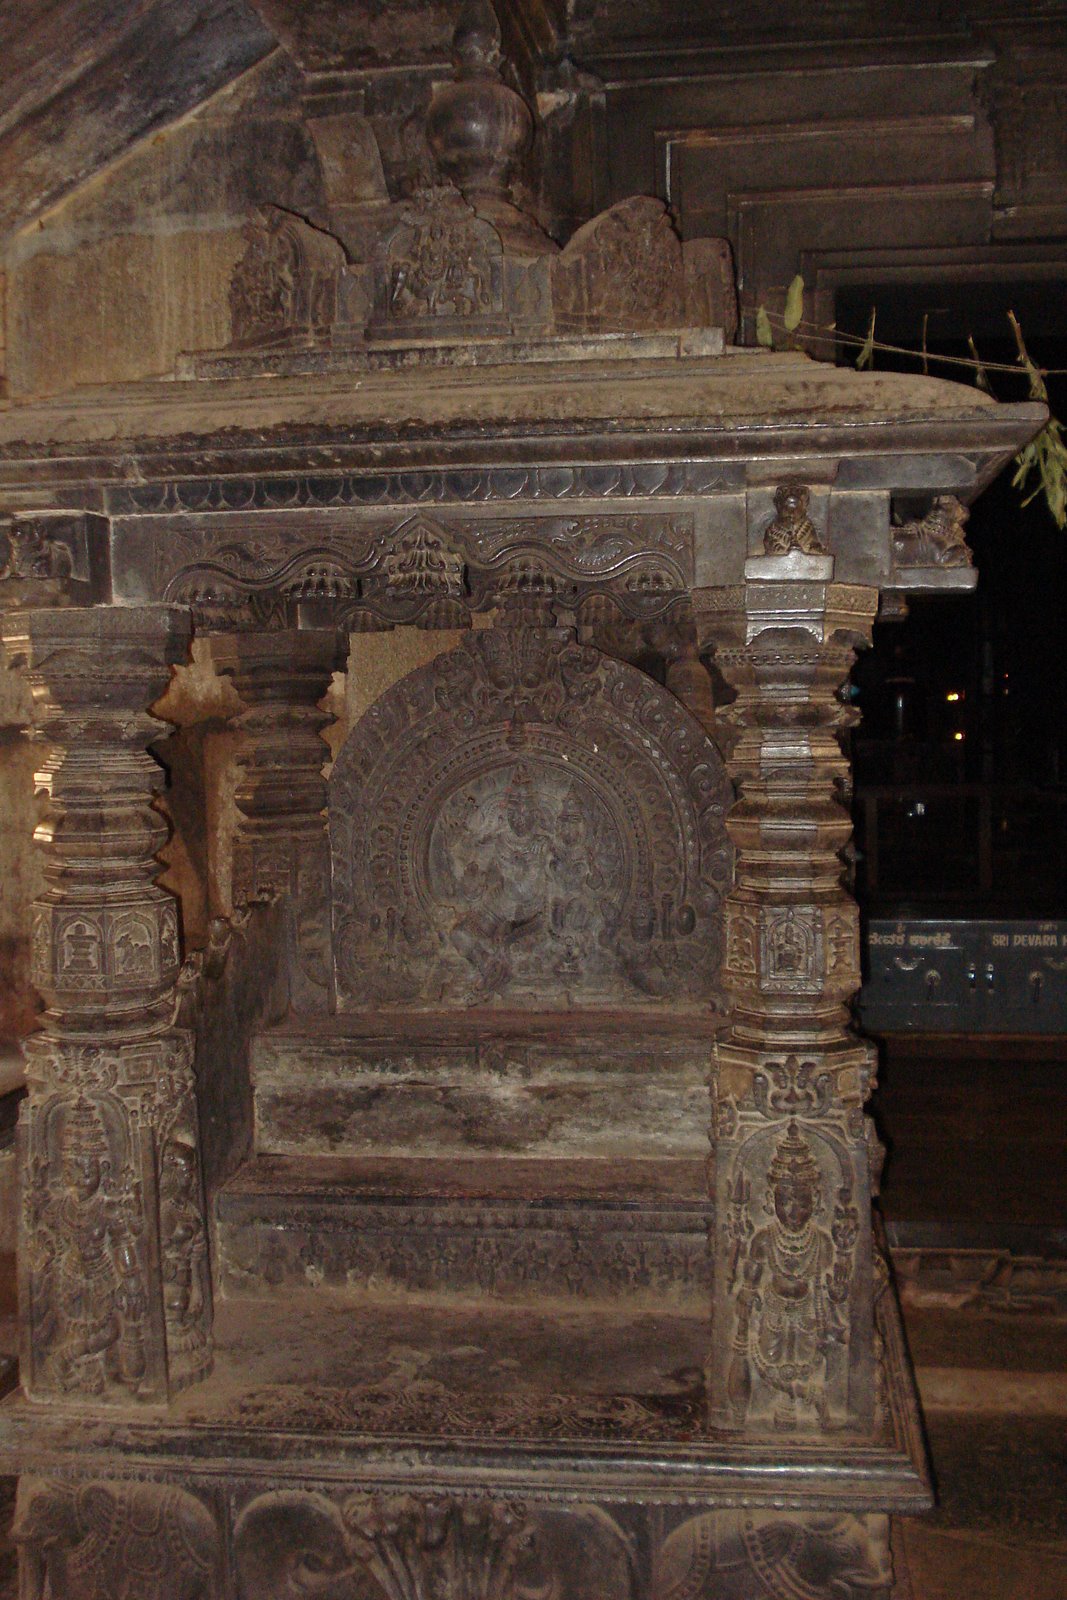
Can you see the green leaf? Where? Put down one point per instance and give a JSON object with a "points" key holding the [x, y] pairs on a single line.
{"points": [[866, 355], [794, 304], [764, 336], [981, 376]]}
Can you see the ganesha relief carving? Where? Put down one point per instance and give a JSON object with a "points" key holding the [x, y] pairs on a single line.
{"points": [[84, 1258], [525, 819]]}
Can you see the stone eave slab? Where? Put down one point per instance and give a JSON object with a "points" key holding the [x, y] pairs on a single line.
{"points": [[760, 411]]}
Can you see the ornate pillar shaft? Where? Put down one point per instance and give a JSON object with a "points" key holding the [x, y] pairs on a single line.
{"points": [[793, 1345], [115, 1287], [281, 847]]}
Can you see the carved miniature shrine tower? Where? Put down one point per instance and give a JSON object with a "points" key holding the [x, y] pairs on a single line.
{"points": [[483, 1210]]}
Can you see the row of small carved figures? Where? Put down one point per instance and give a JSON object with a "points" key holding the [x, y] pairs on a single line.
{"points": [[361, 1261]]}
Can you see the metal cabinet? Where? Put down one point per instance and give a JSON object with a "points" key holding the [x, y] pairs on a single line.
{"points": [[927, 975]]}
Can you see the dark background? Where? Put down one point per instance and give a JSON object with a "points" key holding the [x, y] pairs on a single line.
{"points": [[1000, 649]]}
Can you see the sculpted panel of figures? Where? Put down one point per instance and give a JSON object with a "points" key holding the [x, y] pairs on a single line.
{"points": [[622, 269], [101, 950], [115, 1541], [116, 1279], [526, 818], [789, 1279], [440, 263], [751, 1555], [791, 941]]}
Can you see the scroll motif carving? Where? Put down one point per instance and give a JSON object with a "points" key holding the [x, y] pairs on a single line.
{"points": [[407, 1546], [451, 486], [751, 1555], [937, 540], [521, 818], [429, 571], [510, 1261], [116, 1541]]}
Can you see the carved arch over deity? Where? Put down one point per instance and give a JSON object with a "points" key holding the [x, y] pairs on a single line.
{"points": [[526, 821]]}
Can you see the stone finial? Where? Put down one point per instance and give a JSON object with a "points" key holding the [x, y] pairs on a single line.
{"points": [[479, 130], [476, 49]]}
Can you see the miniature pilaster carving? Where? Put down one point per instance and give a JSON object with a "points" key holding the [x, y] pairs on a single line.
{"points": [[111, 1239], [281, 850], [792, 1349]]}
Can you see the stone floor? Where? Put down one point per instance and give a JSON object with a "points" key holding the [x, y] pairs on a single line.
{"points": [[977, 1173]]}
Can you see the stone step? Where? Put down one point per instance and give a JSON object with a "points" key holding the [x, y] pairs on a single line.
{"points": [[520, 1230], [614, 1085]]}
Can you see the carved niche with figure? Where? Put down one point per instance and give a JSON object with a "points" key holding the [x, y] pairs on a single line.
{"points": [[526, 819]]}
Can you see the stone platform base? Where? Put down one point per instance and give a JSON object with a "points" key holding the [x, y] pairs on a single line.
{"points": [[404, 1451]]}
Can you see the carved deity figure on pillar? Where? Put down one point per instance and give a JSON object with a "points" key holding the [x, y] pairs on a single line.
{"points": [[186, 1284], [85, 1226], [786, 1284]]}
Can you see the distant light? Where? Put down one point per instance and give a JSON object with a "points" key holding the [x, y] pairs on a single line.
{"points": [[953, 696], [957, 735]]}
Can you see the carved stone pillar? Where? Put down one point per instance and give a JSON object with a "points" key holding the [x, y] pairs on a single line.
{"points": [[115, 1287], [793, 1344], [281, 848]]}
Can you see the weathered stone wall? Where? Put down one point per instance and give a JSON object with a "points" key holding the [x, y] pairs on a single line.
{"points": [[133, 267]]}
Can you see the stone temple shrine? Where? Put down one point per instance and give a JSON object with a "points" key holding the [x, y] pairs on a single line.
{"points": [[452, 1182]]}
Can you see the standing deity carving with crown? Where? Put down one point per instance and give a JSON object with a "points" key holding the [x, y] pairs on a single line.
{"points": [[788, 1288]]}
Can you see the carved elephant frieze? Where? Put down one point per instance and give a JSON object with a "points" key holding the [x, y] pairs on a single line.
{"points": [[115, 1541], [741, 1555]]}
